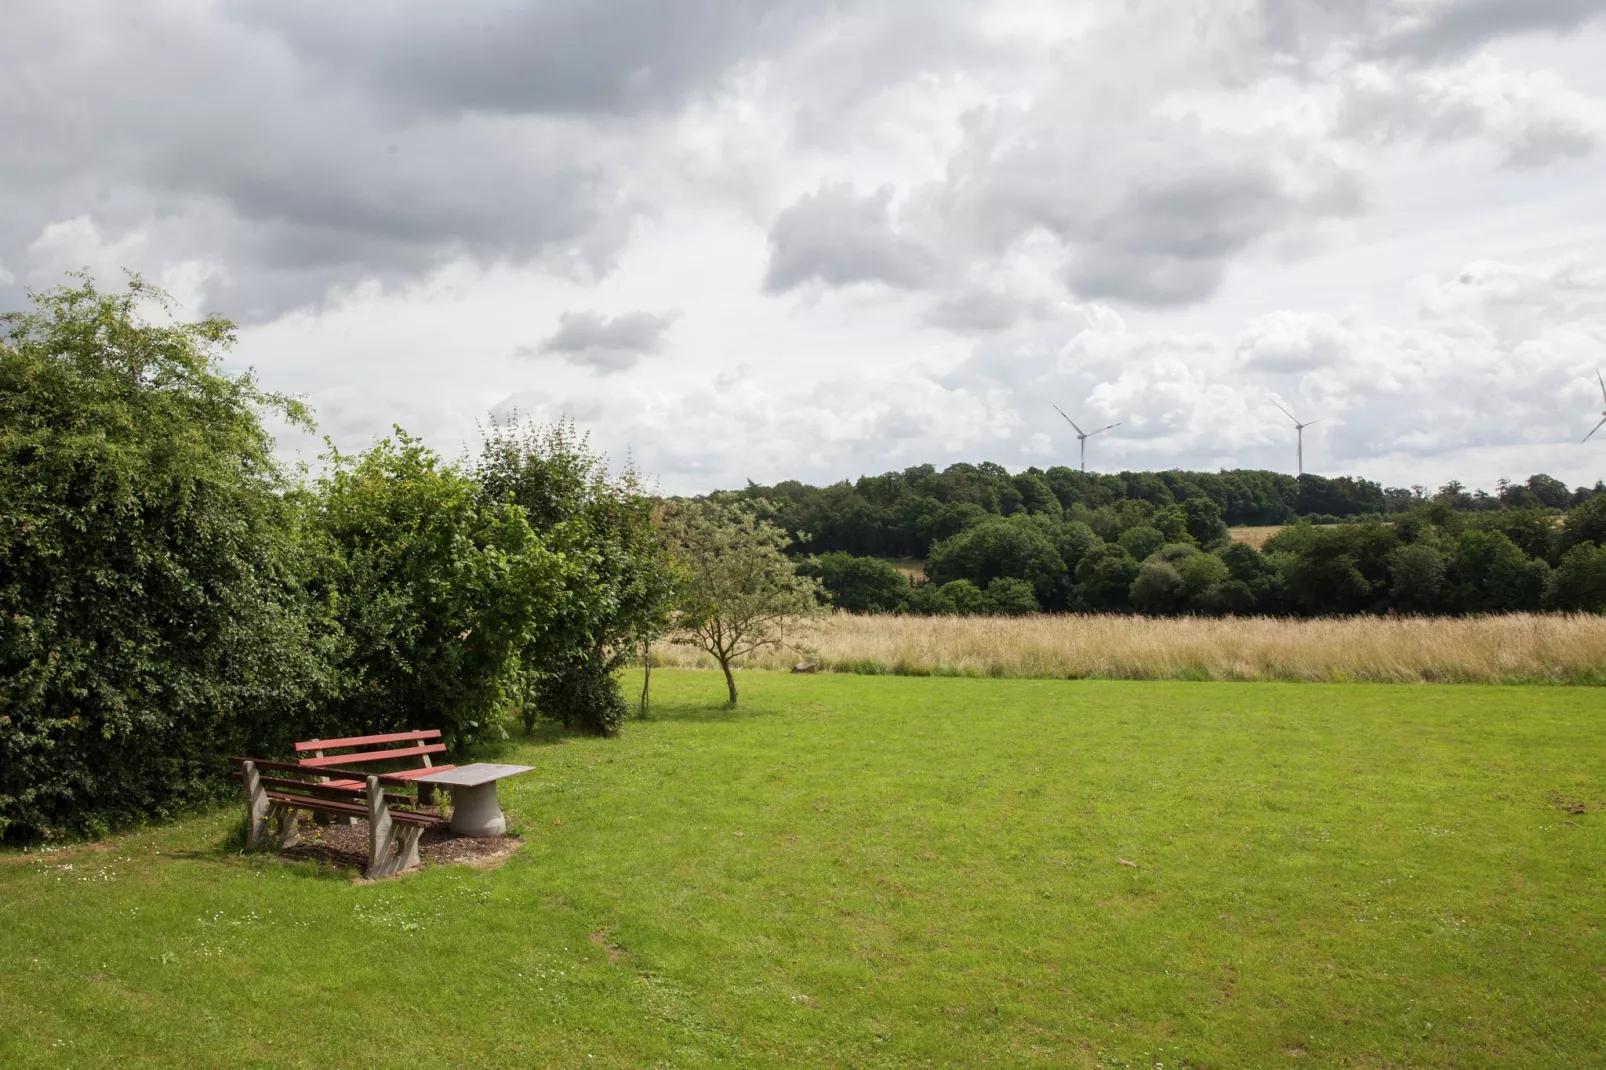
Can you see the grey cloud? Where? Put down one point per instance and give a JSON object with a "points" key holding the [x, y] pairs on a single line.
{"points": [[1531, 116], [1152, 211], [978, 310], [1410, 29], [605, 343], [1461, 25], [204, 135], [839, 238], [553, 56]]}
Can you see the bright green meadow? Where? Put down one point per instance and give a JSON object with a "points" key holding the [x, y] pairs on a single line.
{"points": [[893, 871]]}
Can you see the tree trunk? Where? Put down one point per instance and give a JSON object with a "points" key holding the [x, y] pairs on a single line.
{"points": [[730, 681], [646, 675]]}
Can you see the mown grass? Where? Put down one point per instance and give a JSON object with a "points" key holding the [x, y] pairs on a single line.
{"points": [[881, 871], [1517, 648]]}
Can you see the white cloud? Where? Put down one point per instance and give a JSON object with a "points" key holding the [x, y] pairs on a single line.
{"points": [[893, 234], [1531, 117]]}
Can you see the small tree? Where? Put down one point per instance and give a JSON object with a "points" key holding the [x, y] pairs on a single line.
{"points": [[620, 587], [741, 593]]}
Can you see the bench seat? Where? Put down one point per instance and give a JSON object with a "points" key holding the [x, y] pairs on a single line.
{"points": [[400, 774]]}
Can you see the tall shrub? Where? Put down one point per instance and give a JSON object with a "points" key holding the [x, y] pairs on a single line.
{"points": [[620, 584], [434, 591], [150, 619]]}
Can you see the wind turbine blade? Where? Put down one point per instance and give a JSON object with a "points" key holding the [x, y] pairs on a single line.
{"points": [[1067, 418], [1602, 384], [1101, 430], [1318, 420], [1285, 412], [1597, 428]]}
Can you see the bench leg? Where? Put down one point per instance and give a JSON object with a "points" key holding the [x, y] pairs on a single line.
{"points": [[286, 833], [256, 806], [391, 847], [398, 852]]}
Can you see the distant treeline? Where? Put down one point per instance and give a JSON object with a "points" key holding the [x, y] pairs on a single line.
{"points": [[902, 514], [1157, 543]]}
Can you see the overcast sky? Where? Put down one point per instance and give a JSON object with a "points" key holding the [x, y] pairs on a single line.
{"points": [[767, 239]]}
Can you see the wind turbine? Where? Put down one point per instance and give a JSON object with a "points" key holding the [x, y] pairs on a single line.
{"points": [[1299, 429], [1602, 423], [1083, 436]]}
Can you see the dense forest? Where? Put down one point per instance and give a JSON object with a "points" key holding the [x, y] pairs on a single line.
{"points": [[1157, 542]]}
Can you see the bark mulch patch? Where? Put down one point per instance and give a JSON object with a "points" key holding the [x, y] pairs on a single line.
{"points": [[346, 846]]}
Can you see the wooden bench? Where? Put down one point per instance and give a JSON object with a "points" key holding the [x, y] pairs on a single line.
{"points": [[271, 803], [415, 745]]}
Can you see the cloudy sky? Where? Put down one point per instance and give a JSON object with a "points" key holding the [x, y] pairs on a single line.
{"points": [[762, 239]]}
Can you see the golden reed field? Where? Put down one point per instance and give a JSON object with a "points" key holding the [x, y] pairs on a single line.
{"points": [[1520, 648]]}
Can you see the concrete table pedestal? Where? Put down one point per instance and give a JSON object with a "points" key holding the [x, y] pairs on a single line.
{"points": [[475, 810]]}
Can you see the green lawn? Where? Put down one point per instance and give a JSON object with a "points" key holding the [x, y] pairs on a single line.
{"points": [[892, 871]]}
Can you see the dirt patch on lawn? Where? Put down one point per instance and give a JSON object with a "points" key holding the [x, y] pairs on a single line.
{"points": [[346, 846]]}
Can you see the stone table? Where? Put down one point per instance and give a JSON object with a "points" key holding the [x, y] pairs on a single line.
{"points": [[475, 811]]}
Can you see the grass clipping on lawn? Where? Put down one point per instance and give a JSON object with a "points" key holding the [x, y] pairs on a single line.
{"points": [[1515, 648]]}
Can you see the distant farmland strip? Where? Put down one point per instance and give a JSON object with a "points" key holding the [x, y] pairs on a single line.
{"points": [[1520, 648]]}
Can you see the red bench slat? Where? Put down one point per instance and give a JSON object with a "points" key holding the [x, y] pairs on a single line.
{"points": [[400, 774], [414, 774], [372, 756], [363, 741]]}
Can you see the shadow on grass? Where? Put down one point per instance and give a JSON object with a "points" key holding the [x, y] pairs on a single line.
{"points": [[708, 713], [230, 850]]}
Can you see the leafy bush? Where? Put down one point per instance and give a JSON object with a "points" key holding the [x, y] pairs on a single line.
{"points": [[618, 589], [1585, 523], [858, 584], [1203, 520], [1104, 578], [1493, 575], [1581, 580], [1419, 578], [150, 614], [434, 592], [582, 694], [1011, 597], [1141, 541], [1157, 590], [1017, 547], [965, 597]]}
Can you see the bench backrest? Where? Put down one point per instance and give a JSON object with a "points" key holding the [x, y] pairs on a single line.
{"points": [[413, 745]]}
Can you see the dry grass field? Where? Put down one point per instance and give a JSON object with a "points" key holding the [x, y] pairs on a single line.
{"points": [[1521, 648], [1254, 536]]}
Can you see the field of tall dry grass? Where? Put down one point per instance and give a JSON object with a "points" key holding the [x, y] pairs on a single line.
{"points": [[1520, 648]]}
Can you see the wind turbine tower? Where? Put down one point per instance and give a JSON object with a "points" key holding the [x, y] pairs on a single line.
{"points": [[1083, 436], [1299, 430], [1602, 423]]}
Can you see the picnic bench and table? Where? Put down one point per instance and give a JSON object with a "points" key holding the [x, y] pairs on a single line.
{"points": [[324, 786]]}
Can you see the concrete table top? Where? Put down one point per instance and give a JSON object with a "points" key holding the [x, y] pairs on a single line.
{"points": [[472, 776], [475, 811]]}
